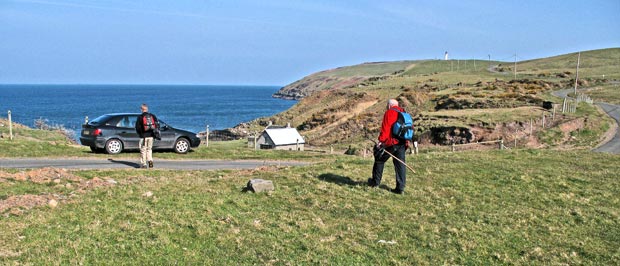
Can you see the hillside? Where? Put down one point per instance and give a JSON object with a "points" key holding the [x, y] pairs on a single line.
{"points": [[343, 106]]}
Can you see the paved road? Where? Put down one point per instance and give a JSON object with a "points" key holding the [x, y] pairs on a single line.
{"points": [[129, 164], [562, 93], [612, 146]]}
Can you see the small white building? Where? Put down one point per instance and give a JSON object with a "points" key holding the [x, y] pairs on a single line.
{"points": [[286, 138]]}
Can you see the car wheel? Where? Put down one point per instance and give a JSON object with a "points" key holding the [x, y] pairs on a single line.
{"points": [[114, 146], [181, 145]]}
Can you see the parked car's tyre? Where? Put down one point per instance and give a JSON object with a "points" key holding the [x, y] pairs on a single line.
{"points": [[181, 145], [113, 146]]}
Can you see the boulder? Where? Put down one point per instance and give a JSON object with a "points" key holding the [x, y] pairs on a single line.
{"points": [[260, 185]]}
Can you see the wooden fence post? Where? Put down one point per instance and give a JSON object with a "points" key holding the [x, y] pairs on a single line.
{"points": [[516, 132], [207, 137], [10, 126], [564, 105]]}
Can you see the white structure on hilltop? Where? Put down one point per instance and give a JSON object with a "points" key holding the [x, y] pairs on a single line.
{"points": [[445, 56]]}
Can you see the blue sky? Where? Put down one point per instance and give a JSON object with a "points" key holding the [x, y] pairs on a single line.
{"points": [[275, 42]]}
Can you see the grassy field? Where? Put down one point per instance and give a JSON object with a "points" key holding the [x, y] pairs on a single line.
{"points": [[495, 207], [609, 93], [28, 142]]}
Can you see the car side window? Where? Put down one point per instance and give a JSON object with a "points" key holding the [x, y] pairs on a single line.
{"points": [[126, 122]]}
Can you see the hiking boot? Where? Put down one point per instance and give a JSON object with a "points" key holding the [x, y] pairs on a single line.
{"points": [[150, 164], [371, 183], [397, 191]]}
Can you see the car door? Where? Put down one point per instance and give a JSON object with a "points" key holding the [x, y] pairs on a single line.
{"points": [[126, 128], [167, 136]]}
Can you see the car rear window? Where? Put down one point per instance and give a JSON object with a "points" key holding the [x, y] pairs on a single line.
{"points": [[100, 120]]}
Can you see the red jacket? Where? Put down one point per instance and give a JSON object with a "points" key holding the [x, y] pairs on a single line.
{"points": [[389, 118]]}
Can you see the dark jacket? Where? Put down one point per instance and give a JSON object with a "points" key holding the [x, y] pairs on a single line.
{"points": [[389, 118], [140, 126]]}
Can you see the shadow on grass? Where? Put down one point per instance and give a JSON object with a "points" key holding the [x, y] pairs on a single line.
{"points": [[340, 180], [345, 180]]}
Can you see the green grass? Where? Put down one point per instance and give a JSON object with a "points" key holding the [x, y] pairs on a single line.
{"points": [[29, 142], [609, 93], [369, 69], [593, 64], [235, 150], [498, 207], [490, 116]]}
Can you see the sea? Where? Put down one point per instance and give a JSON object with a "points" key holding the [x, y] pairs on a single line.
{"points": [[189, 107]]}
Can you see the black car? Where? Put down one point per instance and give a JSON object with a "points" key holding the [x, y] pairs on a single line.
{"points": [[114, 133]]}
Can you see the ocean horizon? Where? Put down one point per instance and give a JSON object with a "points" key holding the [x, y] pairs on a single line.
{"points": [[189, 107]]}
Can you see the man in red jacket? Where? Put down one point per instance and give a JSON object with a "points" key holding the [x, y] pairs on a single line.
{"points": [[392, 145]]}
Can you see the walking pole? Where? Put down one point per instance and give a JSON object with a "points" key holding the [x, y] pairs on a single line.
{"points": [[395, 158]]}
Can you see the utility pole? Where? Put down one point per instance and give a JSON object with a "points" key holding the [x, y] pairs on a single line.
{"points": [[515, 66], [489, 61], [577, 73]]}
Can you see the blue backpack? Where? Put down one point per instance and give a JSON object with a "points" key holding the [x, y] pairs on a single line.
{"points": [[403, 127]]}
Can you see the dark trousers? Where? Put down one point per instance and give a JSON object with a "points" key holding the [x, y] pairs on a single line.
{"points": [[382, 157]]}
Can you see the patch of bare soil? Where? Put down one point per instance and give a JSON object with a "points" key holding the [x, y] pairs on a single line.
{"points": [[45, 175], [569, 127], [18, 204], [262, 169]]}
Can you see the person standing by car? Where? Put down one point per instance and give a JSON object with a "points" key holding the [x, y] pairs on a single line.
{"points": [[147, 127]]}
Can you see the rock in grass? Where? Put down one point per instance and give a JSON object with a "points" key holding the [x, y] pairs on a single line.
{"points": [[52, 203], [260, 185]]}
